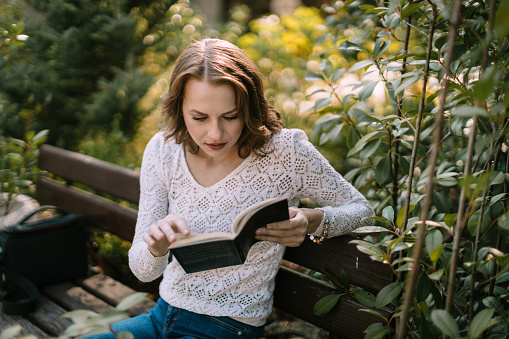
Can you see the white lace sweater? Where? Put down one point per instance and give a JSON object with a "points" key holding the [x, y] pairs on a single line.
{"points": [[294, 170]]}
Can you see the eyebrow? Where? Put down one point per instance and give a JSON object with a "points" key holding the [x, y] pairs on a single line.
{"points": [[201, 113]]}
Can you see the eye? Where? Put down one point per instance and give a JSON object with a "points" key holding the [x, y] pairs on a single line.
{"points": [[199, 118], [231, 118]]}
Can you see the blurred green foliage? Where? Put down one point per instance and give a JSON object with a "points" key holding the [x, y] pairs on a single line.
{"points": [[355, 76], [18, 166]]}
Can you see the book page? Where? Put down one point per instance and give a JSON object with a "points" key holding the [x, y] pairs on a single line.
{"points": [[196, 238], [243, 216]]}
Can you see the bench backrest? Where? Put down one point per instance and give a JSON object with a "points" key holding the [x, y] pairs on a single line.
{"points": [[296, 293]]}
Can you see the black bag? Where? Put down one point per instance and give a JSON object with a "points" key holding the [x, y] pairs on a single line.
{"points": [[43, 252]]}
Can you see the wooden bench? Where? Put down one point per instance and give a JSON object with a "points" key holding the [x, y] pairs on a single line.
{"points": [[296, 293]]}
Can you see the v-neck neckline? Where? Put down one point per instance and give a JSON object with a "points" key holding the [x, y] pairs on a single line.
{"points": [[235, 171]]}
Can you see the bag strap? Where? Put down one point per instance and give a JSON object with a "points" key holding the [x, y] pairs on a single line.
{"points": [[22, 293], [40, 209]]}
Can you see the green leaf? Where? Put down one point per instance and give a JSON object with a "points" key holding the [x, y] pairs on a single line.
{"points": [[368, 248], [347, 45], [369, 229], [494, 303], [433, 240], [110, 316], [364, 297], [435, 254], [125, 335], [410, 8], [10, 332], [332, 278], [380, 47], [446, 323], [392, 21], [481, 322], [131, 300], [333, 136], [388, 213], [370, 148], [392, 6], [502, 278], [496, 198], [450, 219], [376, 334], [381, 219], [324, 305], [40, 137], [401, 215], [344, 279], [499, 179], [327, 122], [501, 260], [367, 90], [321, 103], [311, 76], [382, 170], [423, 289], [503, 223], [486, 85], [326, 67], [337, 74], [360, 65], [501, 22], [366, 7], [388, 294], [436, 275], [370, 311], [364, 140], [469, 111], [406, 83]]}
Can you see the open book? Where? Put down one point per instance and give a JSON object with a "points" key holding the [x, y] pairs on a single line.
{"points": [[204, 251]]}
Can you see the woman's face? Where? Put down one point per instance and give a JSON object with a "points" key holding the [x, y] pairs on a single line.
{"points": [[212, 119]]}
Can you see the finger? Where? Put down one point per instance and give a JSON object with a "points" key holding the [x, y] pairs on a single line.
{"points": [[286, 241], [181, 226], [292, 211], [155, 243], [155, 231], [158, 248], [168, 231], [149, 239], [280, 225]]}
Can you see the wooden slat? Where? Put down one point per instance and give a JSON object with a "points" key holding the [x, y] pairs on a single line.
{"points": [[297, 294], [337, 254], [72, 297], [97, 174], [7, 321], [46, 316], [113, 292], [104, 213]]}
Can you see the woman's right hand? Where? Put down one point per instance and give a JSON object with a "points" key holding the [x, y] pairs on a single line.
{"points": [[163, 233]]}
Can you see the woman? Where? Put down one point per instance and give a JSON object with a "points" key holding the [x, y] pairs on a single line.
{"points": [[223, 150]]}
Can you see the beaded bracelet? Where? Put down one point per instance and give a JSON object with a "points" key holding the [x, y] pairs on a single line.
{"points": [[325, 234]]}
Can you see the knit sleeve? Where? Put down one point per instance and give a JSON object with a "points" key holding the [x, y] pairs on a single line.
{"points": [[152, 207], [344, 206]]}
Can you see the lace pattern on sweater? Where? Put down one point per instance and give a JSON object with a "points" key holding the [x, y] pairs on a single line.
{"points": [[295, 170]]}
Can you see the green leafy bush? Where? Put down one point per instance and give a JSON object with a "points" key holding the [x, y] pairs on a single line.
{"points": [[18, 166], [424, 126]]}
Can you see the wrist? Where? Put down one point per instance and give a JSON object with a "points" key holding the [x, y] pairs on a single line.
{"points": [[314, 219]]}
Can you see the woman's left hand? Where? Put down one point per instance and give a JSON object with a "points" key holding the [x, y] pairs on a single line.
{"points": [[288, 232]]}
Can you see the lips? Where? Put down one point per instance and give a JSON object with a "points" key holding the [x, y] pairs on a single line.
{"points": [[216, 147]]}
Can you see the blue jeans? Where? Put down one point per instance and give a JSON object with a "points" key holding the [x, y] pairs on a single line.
{"points": [[165, 321]]}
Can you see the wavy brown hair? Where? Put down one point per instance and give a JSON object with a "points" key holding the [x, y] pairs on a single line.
{"points": [[220, 62]]}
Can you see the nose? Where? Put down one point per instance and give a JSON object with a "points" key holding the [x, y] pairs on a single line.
{"points": [[216, 131]]}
